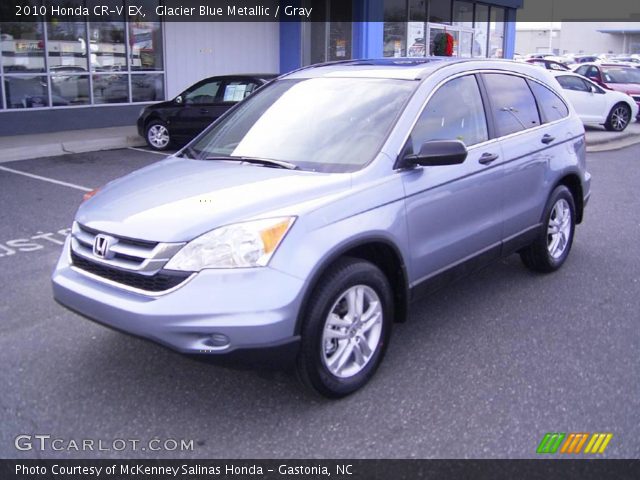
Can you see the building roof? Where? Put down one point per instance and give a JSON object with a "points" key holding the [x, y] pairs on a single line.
{"points": [[619, 30]]}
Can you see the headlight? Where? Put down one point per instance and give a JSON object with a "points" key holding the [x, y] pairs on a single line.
{"points": [[246, 244]]}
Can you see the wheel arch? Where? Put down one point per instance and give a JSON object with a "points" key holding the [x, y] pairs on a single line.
{"points": [[381, 252], [573, 183]]}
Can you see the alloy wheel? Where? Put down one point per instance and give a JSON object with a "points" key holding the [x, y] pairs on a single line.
{"points": [[620, 118], [158, 136], [352, 331], [559, 228]]}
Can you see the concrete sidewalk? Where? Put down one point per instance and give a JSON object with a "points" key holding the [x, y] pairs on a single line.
{"points": [[600, 140], [22, 147]]}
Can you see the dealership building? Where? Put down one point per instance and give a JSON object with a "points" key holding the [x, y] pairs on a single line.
{"points": [[59, 75]]}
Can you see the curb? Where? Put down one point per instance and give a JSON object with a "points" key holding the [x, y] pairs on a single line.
{"points": [[614, 144], [63, 148]]}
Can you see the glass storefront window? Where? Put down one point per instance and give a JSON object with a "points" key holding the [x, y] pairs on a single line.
{"points": [[415, 39], [107, 43], [466, 44], [47, 62], [110, 88], [70, 90], [481, 25], [395, 28], [417, 10], [22, 47], [67, 46], [147, 87], [496, 33], [145, 41], [463, 14], [26, 91], [440, 11]]}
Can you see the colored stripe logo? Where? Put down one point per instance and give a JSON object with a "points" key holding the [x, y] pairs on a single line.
{"points": [[572, 443]]}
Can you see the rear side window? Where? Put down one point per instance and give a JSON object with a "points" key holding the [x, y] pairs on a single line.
{"points": [[512, 103], [454, 112], [551, 107], [569, 82], [237, 90]]}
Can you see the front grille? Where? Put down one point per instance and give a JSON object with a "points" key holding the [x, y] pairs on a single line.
{"points": [[130, 241], [123, 253], [151, 283]]}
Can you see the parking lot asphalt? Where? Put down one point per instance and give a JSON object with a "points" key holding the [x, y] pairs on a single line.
{"points": [[482, 369]]}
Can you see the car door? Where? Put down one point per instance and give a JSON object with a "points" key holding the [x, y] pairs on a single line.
{"points": [[529, 145], [198, 109], [588, 102], [453, 212]]}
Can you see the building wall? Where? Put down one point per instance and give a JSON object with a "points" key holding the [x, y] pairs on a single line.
{"points": [[583, 37], [576, 37], [195, 50]]}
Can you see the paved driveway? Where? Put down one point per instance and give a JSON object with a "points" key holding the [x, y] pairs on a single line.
{"points": [[482, 369]]}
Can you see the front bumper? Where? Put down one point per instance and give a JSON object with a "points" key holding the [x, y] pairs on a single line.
{"points": [[255, 309]]}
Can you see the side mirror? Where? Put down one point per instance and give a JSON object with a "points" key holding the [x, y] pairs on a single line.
{"points": [[437, 153], [179, 99]]}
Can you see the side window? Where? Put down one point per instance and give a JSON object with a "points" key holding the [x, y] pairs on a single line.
{"points": [[237, 90], [592, 72], [205, 93], [444, 119], [551, 107], [569, 82], [582, 70], [512, 103]]}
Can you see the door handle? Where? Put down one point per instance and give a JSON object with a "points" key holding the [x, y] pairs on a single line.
{"points": [[547, 139], [204, 110], [487, 158]]}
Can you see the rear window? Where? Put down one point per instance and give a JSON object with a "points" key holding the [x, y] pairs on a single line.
{"points": [[551, 107], [512, 103]]}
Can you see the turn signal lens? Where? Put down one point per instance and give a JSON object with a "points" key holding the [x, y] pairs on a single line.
{"points": [[90, 194]]}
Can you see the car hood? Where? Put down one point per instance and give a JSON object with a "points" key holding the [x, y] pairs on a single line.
{"points": [[178, 199]]}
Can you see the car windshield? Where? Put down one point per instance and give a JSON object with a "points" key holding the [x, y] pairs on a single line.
{"points": [[319, 124], [621, 75]]}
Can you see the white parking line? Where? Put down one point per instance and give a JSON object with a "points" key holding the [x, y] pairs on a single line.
{"points": [[46, 179], [149, 151]]}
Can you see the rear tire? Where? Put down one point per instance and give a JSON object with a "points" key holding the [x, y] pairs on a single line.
{"points": [[619, 118], [346, 328], [550, 250], [157, 135]]}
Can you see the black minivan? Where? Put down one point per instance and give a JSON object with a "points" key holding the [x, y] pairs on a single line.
{"points": [[177, 121]]}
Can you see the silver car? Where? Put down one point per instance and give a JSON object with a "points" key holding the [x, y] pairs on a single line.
{"points": [[302, 224]]}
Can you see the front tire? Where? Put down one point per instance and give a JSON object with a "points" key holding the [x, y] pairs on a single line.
{"points": [[551, 249], [619, 118], [346, 328], [157, 135]]}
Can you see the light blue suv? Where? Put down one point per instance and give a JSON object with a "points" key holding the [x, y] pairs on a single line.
{"points": [[303, 222]]}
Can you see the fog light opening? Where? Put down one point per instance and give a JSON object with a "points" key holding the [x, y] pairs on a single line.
{"points": [[217, 340]]}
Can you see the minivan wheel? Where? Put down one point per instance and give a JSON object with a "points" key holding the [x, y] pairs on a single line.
{"points": [[157, 135], [550, 250], [619, 118], [345, 329]]}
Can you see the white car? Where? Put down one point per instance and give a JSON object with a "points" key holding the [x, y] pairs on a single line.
{"points": [[595, 105]]}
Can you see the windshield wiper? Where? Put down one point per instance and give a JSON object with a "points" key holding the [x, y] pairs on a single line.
{"points": [[259, 161]]}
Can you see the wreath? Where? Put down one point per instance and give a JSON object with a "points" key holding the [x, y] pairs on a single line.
{"points": [[443, 45]]}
